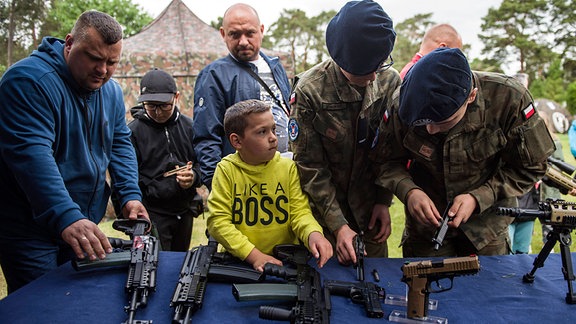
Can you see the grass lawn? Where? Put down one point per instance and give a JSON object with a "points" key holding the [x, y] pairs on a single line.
{"points": [[397, 212]]}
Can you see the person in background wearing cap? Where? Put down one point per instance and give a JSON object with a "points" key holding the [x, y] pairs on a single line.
{"points": [[441, 35], [474, 139], [336, 108], [162, 139], [239, 76], [62, 127]]}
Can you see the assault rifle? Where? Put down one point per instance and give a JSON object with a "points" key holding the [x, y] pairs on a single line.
{"points": [[197, 269], [119, 257], [143, 263], [561, 216], [438, 238], [304, 286], [559, 172], [419, 276]]}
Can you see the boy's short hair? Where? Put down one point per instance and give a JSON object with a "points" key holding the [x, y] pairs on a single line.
{"points": [[235, 120]]}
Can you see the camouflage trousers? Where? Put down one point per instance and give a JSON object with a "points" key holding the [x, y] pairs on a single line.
{"points": [[455, 244]]}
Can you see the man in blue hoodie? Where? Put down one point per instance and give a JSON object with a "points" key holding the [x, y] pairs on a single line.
{"points": [[63, 126]]}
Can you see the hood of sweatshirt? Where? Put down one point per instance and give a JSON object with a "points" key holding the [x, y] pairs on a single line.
{"points": [[248, 168]]}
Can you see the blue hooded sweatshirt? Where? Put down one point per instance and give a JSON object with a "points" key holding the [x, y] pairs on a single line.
{"points": [[56, 143]]}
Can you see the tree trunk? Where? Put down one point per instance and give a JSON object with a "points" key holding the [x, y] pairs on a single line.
{"points": [[11, 27]]}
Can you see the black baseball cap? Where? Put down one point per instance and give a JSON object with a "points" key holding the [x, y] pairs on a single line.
{"points": [[157, 85]]}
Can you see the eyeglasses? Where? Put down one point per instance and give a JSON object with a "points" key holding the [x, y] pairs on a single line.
{"points": [[162, 106], [385, 65]]}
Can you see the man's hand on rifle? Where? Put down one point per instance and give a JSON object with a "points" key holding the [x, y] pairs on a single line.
{"points": [[86, 239], [134, 209]]}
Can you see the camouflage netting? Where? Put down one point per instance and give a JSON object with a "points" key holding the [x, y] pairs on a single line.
{"points": [[178, 42]]}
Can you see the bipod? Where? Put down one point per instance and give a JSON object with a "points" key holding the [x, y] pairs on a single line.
{"points": [[558, 234]]}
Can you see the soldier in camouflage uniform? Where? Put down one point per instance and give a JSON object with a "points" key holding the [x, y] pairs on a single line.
{"points": [[471, 138], [336, 109]]}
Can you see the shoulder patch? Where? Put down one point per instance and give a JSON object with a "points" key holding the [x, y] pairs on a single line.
{"points": [[386, 116], [293, 129], [528, 111], [293, 98]]}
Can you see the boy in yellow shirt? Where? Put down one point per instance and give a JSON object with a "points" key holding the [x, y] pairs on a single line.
{"points": [[256, 200]]}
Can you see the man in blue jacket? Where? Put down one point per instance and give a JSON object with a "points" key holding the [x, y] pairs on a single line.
{"points": [[62, 125], [232, 79]]}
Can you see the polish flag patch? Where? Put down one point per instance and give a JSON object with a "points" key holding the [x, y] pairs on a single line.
{"points": [[386, 116], [528, 111], [293, 98]]}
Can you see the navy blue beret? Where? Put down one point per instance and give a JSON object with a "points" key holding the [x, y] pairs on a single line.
{"points": [[360, 37], [435, 87]]}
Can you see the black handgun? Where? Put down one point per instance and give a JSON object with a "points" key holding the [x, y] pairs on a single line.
{"points": [[441, 232], [359, 249]]}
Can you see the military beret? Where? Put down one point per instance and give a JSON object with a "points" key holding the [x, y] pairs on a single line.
{"points": [[360, 37], [435, 87]]}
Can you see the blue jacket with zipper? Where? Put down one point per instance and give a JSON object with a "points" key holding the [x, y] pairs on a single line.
{"points": [[57, 143], [220, 85]]}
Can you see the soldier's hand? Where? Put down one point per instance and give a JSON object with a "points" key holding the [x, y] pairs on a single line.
{"points": [[422, 208], [380, 217], [463, 205], [344, 245]]}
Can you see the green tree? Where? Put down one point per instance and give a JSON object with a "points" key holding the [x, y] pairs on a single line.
{"points": [[563, 26], [63, 15], [571, 98], [517, 29], [301, 36], [409, 34], [550, 84], [217, 24], [20, 21]]}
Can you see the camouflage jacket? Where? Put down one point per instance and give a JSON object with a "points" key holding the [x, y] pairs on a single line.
{"points": [[332, 128], [495, 153]]}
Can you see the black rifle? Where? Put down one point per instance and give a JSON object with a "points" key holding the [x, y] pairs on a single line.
{"points": [[197, 269], [443, 229], [359, 250], [561, 215], [143, 263], [304, 286], [119, 257]]}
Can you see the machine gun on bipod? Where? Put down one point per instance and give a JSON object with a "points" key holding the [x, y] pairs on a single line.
{"points": [[561, 216]]}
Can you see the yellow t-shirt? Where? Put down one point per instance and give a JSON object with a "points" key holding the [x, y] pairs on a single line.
{"points": [[258, 206]]}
